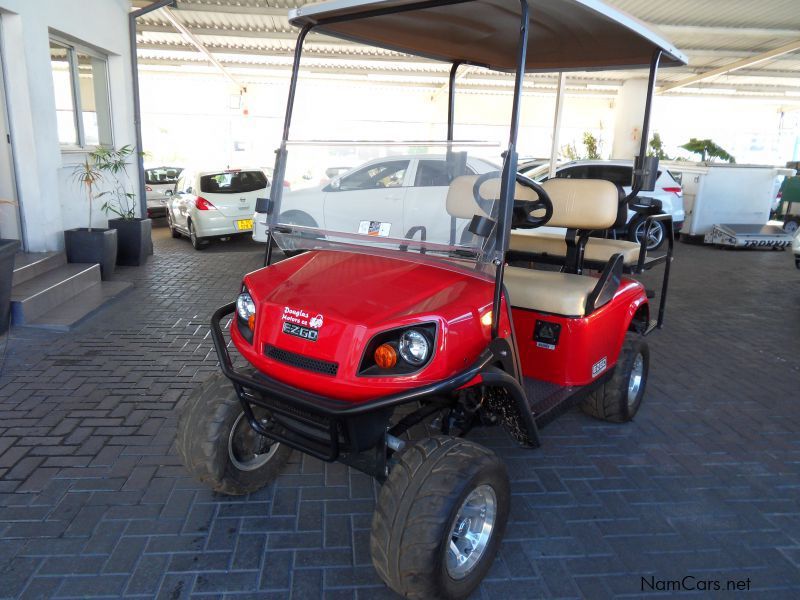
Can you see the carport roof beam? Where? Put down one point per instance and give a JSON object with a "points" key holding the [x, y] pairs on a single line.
{"points": [[190, 37], [734, 66]]}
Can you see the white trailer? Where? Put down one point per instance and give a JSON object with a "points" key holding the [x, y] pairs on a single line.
{"points": [[725, 202]]}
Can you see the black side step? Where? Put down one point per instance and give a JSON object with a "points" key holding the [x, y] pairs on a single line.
{"points": [[549, 400]]}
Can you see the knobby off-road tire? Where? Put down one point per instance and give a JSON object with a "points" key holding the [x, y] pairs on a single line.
{"points": [[619, 398], [421, 510], [211, 428]]}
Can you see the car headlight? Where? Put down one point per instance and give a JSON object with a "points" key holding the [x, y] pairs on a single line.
{"points": [[414, 347], [246, 315]]}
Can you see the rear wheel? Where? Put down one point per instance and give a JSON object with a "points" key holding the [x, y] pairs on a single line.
{"points": [[218, 446], [440, 518], [198, 243], [619, 398], [655, 237], [791, 225]]}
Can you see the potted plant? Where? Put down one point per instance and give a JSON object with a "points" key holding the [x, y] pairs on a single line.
{"points": [[91, 244], [8, 249], [133, 233]]}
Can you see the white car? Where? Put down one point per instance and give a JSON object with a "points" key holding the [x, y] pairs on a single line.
{"points": [[667, 190], [417, 183], [796, 248], [159, 183], [214, 204]]}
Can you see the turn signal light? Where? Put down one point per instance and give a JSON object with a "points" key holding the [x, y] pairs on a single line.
{"points": [[385, 356], [251, 322], [203, 204]]}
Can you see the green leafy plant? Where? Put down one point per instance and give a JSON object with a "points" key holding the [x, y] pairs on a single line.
{"points": [[707, 150], [88, 175], [114, 162], [656, 148], [592, 145], [570, 152]]}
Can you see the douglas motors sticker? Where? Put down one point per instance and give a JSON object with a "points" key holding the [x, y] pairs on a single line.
{"points": [[299, 323]]}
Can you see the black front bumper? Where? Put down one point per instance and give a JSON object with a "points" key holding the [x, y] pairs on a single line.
{"points": [[317, 425]]}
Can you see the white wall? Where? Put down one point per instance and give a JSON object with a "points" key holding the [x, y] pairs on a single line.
{"points": [[49, 201]]}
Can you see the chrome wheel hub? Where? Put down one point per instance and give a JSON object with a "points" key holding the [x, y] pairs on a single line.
{"points": [[471, 531], [636, 379], [248, 450], [654, 235]]}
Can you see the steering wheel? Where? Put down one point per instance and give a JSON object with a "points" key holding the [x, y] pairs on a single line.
{"points": [[521, 216]]}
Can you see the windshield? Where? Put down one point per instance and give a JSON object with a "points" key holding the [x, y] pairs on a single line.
{"points": [[406, 197], [233, 182]]}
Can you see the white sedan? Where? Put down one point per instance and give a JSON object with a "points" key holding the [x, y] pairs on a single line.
{"points": [[399, 192], [215, 204], [159, 185]]}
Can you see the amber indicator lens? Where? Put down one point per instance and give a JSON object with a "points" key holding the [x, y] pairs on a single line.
{"points": [[385, 356]]}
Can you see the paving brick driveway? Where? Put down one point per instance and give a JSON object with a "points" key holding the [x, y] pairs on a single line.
{"points": [[705, 482]]}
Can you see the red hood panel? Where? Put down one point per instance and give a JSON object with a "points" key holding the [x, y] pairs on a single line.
{"points": [[349, 297]]}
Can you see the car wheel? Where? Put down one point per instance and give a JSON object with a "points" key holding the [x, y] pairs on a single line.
{"points": [[791, 225], [173, 232], [218, 446], [655, 237], [440, 518], [619, 398], [198, 243], [797, 262]]}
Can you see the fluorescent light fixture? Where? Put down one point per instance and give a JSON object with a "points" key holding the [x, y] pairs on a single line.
{"points": [[717, 90], [792, 93]]}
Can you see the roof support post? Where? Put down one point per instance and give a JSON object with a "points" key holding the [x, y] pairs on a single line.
{"points": [[509, 175], [278, 173], [562, 81], [137, 107], [451, 100], [639, 161]]}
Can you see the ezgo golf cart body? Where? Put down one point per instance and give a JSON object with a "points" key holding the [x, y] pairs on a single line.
{"points": [[388, 321]]}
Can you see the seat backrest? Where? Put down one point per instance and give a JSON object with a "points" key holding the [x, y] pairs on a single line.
{"points": [[577, 203], [582, 203]]}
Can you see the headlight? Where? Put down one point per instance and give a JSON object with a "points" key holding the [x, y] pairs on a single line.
{"points": [[246, 308], [414, 347], [246, 315]]}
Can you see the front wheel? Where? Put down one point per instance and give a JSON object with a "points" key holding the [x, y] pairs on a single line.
{"points": [[655, 237], [440, 518], [173, 232], [619, 398], [218, 446]]}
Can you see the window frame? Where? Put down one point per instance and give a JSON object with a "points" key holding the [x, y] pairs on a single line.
{"points": [[73, 49]]}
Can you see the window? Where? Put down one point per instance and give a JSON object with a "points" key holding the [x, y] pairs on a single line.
{"points": [[573, 173], [620, 175], [381, 175], [161, 175], [234, 182], [80, 84], [432, 173]]}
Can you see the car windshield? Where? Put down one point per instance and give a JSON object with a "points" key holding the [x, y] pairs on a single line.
{"points": [[233, 182], [400, 197]]}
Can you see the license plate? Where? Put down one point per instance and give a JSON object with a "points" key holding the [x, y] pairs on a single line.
{"points": [[243, 224]]}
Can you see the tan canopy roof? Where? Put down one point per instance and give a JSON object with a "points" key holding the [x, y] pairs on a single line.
{"points": [[565, 35]]}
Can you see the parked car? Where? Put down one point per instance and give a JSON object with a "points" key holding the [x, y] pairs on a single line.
{"points": [[215, 204], [357, 197], [796, 248], [668, 191], [159, 183]]}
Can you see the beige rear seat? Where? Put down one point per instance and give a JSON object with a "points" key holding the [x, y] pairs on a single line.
{"points": [[554, 244], [578, 204]]}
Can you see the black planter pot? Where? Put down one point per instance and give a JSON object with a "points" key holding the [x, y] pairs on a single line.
{"points": [[95, 246], [8, 248], [134, 242]]}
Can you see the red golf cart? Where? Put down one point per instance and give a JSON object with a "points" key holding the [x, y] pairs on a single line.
{"points": [[410, 308]]}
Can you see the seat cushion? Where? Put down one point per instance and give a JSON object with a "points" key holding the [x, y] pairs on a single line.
{"points": [[553, 244], [548, 291]]}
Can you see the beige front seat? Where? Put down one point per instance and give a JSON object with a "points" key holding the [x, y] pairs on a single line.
{"points": [[548, 291], [573, 201]]}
